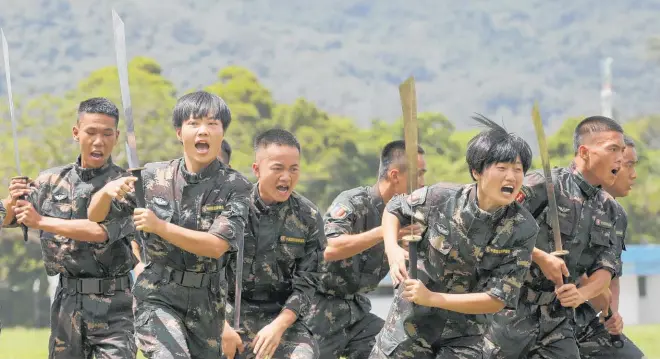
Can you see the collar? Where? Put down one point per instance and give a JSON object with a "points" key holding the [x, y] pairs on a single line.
{"points": [[472, 206], [86, 174], [205, 173], [588, 189]]}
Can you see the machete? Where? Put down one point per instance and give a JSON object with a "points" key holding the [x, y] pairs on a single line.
{"points": [[131, 145], [550, 189], [409, 106], [14, 126]]}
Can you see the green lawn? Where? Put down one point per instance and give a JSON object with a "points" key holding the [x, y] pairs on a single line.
{"points": [[21, 343]]}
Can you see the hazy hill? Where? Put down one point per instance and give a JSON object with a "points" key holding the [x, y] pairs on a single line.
{"points": [[493, 57]]}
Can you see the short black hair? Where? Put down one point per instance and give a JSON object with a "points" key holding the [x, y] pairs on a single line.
{"points": [[392, 153], [628, 141], [593, 124], [495, 145], [225, 151], [275, 136], [201, 104], [99, 105]]}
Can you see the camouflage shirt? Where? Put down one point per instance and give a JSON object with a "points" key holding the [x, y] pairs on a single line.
{"points": [[64, 192], [213, 201], [354, 211], [283, 245], [463, 250], [587, 221]]}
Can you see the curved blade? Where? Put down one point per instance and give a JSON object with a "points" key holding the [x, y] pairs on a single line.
{"points": [[122, 69], [549, 183], [14, 125]]}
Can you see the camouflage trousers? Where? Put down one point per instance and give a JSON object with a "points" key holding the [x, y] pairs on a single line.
{"points": [[472, 347], [394, 342], [534, 331], [174, 321], [296, 343], [343, 328], [86, 325], [594, 340]]}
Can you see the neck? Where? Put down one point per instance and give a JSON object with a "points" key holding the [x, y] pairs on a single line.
{"points": [[264, 198], [485, 203], [581, 166], [193, 166], [85, 165], [386, 190]]}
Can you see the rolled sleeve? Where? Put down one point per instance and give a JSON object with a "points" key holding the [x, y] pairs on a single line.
{"points": [[118, 228], [306, 270], [230, 224], [340, 219], [400, 207], [506, 280], [608, 260]]}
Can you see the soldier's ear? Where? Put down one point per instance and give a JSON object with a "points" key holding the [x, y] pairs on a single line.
{"points": [[255, 169], [178, 134], [75, 131], [393, 175], [583, 152], [476, 175]]}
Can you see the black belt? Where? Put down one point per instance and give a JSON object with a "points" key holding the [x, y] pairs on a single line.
{"points": [[95, 285], [184, 278], [537, 297]]}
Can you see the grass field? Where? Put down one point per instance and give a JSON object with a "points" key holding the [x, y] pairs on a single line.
{"points": [[21, 343]]}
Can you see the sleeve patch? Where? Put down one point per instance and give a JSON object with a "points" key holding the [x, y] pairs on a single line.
{"points": [[418, 196], [339, 211]]}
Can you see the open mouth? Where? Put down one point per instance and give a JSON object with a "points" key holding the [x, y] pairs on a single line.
{"points": [[507, 189], [282, 189], [97, 155], [202, 147]]}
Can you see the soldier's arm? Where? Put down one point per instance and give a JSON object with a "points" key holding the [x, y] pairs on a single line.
{"points": [[342, 242], [604, 267], [225, 231], [298, 302], [503, 285]]}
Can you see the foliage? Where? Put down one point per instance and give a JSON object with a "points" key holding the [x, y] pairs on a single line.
{"points": [[337, 153]]}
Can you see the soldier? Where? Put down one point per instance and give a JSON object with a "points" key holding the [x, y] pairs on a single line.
{"points": [[196, 212], [474, 253], [284, 243], [542, 325], [92, 310], [594, 336], [224, 157], [355, 260]]}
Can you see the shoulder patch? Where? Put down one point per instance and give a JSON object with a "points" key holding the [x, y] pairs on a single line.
{"points": [[418, 196], [524, 193], [339, 211]]}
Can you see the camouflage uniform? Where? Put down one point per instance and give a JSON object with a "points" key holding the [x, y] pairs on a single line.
{"points": [[593, 339], [92, 310], [463, 250], [180, 308], [340, 315], [541, 327], [283, 245]]}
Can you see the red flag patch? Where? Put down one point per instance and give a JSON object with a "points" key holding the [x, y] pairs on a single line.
{"points": [[338, 212], [520, 197]]}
